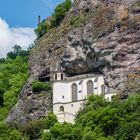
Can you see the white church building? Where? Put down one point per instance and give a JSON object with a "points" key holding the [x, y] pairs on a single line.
{"points": [[70, 93]]}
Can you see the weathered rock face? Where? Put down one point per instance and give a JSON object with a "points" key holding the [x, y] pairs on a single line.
{"points": [[96, 36], [30, 106]]}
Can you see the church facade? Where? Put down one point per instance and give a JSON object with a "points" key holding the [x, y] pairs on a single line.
{"points": [[70, 93]]}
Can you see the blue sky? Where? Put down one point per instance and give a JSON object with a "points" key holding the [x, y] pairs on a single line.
{"points": [[24, 13], [18, 19]]}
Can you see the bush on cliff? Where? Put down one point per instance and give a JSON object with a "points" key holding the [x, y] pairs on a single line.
{"points": [[55, 20], [10, 133], [34, 129], [60, 12], [38, 86], [42, 28]]}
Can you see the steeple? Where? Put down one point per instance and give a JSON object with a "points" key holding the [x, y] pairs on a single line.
{"points": [[59, 75], [59, 65]]}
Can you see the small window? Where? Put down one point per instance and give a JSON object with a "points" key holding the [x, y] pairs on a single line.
{"points": [[62, 76], [61, 108]]}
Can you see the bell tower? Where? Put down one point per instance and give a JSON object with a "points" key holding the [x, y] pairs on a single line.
{"points": [[59, 75]]}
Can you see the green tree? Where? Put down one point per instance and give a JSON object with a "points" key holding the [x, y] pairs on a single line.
{"points": [[60, 12], [128, 131], [2, 60], [1, 96], [13, 75], [10, 133], [49, 121], [17, 49], [88, 136], [11, 55], [42, 28], [35, 128]]}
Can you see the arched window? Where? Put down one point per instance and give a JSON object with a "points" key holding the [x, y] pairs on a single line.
{"points": [[61, 108], [74, 92], [103, 89], [89, 88]]}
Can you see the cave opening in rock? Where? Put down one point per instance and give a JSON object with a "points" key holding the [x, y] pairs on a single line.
{"points": [[44, 79], [45, 76], [74, 73]]}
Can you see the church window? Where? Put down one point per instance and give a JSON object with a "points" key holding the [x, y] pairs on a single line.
{"points": [[74, 92], [61, 108], [103, 89], [61, 76], [89, 88]]}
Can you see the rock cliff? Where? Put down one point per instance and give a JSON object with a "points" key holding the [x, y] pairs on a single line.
{"points": [[95, 36]]}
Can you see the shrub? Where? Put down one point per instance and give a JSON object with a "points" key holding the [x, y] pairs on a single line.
{"points": [[60, 12], [42, 28], [38, 86], [88, 136], [15, 53], [77, 20], [56, 18], [49, 121], [63, 132], [128, 131], [2, 60], [32, 129], [35, 128], [9, 133], [1, 96]]}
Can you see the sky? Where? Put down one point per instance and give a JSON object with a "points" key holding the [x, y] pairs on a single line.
{"points": [[18, 19]]}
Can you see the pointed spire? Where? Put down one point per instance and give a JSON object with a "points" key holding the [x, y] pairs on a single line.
{"points": [[59, 65]]}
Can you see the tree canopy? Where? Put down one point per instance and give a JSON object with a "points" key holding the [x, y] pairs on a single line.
{"points": [[13, 74]]}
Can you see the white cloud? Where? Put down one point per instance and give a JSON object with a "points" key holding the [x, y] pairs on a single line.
{"points": [[12, 36]]}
